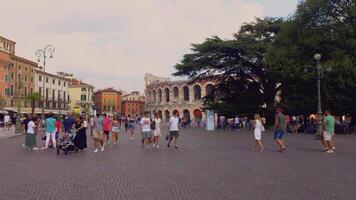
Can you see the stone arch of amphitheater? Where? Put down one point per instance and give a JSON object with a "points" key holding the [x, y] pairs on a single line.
{"points": [[165, 97]]}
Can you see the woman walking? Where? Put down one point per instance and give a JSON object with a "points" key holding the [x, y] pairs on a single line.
{"points": [[257, 128], [80, 140], [115, 129], [131, 125], [31, 134], [156, 130]]}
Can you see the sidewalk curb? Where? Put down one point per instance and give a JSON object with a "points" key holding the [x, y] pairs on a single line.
{"points": [[12, 136]]}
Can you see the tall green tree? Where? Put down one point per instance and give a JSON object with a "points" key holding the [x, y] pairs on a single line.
{"points": [[33, 98], [247, 84], [327, 27]]}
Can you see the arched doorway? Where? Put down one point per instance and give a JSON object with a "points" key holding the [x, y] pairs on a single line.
{"points": [[154, 95], [159, 95], [197, 92], [166, 94], [166, 115], [198, 115], [209, 88], [186, 93], [175, 93], [186, 114]]}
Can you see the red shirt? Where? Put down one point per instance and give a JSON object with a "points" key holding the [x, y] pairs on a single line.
{"points": [[58, 126]]}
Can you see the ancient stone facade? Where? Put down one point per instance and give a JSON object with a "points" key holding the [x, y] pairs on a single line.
{"points": [[164, 97]]}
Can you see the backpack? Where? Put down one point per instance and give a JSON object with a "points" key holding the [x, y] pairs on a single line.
{"points": [[153, 125]]}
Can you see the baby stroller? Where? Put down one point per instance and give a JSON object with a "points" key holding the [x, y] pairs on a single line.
{"points": [[66, 143]]}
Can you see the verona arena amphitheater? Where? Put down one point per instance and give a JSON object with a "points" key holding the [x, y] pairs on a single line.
{"points": [[164, 96]]}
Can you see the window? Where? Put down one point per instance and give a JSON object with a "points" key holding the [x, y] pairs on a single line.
{"points": [[26, 69], [6, 78], [40, 90], [19, 67], [83, 97], [7, 91], [47, 93], [65, 84], [25, 91], [25, 78], [31, 79], [53, 94], [40, 78], [31, 90], [84, 89], [19, 77], [12, 90], [53, 81], [46, 79], [59, 82]]}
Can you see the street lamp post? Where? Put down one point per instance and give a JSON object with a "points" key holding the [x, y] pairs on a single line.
{"points": [[320, 72], [18, 126], [43, 53]]}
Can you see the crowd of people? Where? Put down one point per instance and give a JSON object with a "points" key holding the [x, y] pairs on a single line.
{"points": [[103, 128], [280, 127]]}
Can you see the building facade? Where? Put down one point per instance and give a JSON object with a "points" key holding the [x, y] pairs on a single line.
{"points": [[133, 104], [165, 97], [81, 96], [54, 91], [108, 101], [17, 77]]}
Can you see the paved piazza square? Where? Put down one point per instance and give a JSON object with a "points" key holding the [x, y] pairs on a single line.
{"points": [[208, 165]]}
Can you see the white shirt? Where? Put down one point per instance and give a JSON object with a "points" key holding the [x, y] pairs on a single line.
{"points": [[7, 119], [173, 123], [237, 120], [145, 124], [158, 122], [31, 127]]}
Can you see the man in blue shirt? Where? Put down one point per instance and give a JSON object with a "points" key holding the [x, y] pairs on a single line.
{"points": [[68, 123]]}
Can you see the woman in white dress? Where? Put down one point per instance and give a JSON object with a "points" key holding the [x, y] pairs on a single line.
{"points": [[257, 129], [157, 130]]}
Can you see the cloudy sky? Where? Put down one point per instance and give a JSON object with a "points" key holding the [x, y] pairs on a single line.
{"points": [[112, 43]]}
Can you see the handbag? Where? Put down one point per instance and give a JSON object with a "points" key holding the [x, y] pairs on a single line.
{"points": [[263, 128], [167, 137]]}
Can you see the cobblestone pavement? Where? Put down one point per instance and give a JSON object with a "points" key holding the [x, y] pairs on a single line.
{"points": [[208, 165]]}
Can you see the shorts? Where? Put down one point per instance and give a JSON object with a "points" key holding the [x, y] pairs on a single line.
{"points": [[131, 126], [97, 134], [106, 132], [146, 134], [156, 133], [115, 129], [327, 135], [278, 134], [174, 134]]}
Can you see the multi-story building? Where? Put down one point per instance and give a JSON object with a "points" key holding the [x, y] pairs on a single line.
{"points": [[108, 101], [54, 91], [81, 96], [17, 76], [165, 97], [133, 104]]}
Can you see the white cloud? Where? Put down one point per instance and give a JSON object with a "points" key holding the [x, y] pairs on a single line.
{"points": [[114, 42]]}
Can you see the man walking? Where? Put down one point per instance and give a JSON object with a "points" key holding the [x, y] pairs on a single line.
{"points": [[68, 123], [174, 130], [98, 136], [145, 123], [328, 133], [280, 127]]}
